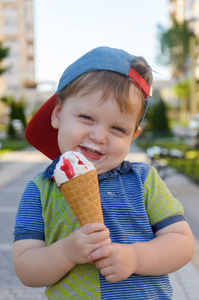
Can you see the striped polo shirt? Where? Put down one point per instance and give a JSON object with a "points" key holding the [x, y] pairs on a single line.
{"points": [[135, 203]]}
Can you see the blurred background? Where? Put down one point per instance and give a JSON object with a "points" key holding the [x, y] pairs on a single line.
{"points": [[38, 39]]}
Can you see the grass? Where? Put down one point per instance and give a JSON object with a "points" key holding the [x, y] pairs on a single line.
{"points": [[170, 142], [13, 144], [189, 165]]}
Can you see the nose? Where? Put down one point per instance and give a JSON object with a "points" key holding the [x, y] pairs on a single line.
{"points": [[98, 134]]}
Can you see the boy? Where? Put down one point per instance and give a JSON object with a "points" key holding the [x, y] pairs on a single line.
{"points": [[100, 102]]}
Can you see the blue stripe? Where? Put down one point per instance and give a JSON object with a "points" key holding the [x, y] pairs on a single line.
{"points": [[137, 287], [30, 235], [126, 217], [168, 221], [29, 215]]}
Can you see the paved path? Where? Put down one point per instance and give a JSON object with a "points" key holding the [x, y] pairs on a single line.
{"points": [[16, 169]]}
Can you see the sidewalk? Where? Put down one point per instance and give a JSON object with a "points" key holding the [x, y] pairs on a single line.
{"points": [[185, 281], [15, 163]]}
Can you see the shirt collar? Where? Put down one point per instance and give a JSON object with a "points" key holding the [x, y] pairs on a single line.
{"points": [[123, 168]]}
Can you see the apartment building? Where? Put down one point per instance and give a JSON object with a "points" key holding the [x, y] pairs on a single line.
{"points": [[186, 10], [16, 32]]}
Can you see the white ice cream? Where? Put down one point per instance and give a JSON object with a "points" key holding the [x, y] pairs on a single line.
{"points": [[71, 164]]}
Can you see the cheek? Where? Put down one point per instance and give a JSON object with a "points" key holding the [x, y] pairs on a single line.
{"points": [[69, 137], [122, 149], [67, 126]]}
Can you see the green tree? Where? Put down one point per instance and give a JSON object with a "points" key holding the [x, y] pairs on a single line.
{"points": [[158, 122], [183, 91], [174, 47], [17, 112], [3, 54]]}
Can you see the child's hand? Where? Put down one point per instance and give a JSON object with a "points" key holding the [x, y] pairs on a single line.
{"points": [[85, 240], [116, 261], [37, 264], [171, 248]]}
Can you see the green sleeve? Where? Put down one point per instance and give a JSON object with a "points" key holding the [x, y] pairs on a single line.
{"points": [[159, 202]]}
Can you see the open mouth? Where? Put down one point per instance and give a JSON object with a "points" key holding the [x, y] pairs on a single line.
{"points": [[91, 153]]}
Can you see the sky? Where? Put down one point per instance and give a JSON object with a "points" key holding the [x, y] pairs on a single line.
{"points": [[66, 29]]}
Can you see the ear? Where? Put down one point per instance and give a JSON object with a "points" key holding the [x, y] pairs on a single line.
{"points": [[137, 132], [55, 116]]}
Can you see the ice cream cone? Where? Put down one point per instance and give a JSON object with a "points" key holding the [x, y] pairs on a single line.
{"points": [[82, 195]]}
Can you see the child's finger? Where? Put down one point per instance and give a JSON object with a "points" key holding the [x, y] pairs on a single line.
{"points": [[93, 227], [100, 253], [97, 237]]}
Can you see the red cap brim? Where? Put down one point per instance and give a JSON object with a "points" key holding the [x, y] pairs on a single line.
{"points": [[39, 132]]}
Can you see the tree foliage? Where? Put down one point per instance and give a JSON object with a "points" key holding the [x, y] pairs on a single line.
{"points": [[158, 122], [174, 46], [3, 54], [182, 89], [17, 112]]}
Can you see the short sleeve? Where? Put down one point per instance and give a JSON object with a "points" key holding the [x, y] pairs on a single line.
{"points": [[160, 203], [29, 223]]}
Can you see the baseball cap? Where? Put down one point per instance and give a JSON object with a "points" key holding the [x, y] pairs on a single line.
{"points": [[39, 132]]}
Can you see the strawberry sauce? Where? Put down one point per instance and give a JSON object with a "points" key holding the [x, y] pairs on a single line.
{"points": [[67, 168], [81, 162]]}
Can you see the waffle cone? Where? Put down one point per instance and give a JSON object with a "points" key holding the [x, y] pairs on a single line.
{"points": [[82, 195]]}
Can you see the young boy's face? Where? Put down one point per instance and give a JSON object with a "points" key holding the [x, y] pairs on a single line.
{"points": [[97, 129]]}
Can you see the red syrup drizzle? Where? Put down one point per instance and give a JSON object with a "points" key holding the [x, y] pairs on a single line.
{"points": [[81, 162], [67, 168]]}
